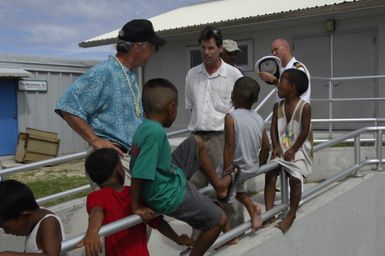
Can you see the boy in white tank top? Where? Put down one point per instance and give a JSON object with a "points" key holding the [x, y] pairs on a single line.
{"points": [[20, 215], [292, 141]]}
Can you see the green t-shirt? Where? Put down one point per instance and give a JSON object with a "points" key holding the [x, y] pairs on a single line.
{"points": [[164, 183]]}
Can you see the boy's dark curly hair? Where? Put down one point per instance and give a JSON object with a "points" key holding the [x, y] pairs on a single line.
{"points": [[298, 78], [15, 198], [101, 163]]}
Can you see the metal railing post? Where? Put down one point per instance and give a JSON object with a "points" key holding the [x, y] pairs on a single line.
{"points": [[357, 153], [379, 149], [284, 187], [330, 108], [331, 83]]}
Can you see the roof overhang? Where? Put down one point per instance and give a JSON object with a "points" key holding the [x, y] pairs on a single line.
{"points": [[192, 18], [14, 73]]}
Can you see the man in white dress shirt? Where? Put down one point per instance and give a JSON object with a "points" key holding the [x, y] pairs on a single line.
{"points": [[208, 95]]}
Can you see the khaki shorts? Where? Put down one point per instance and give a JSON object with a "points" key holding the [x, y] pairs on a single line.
{"points": [[199, 211]]}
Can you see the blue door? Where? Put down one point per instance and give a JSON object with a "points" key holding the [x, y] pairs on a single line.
{"points": [[8, 116]]}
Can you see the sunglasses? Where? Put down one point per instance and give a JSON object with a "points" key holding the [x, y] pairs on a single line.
{"points": [[213, 32]]}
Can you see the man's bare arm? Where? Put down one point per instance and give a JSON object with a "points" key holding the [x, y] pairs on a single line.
{"points": [[81, 127]]}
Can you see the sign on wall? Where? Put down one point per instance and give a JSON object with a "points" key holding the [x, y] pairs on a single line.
{"points": [[33, 85]]}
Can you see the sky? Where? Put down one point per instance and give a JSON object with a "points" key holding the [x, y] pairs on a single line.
{"points": [[54, 28]]}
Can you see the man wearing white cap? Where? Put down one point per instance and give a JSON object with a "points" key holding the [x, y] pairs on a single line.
{"points": [[230, 52], [281, 49]]}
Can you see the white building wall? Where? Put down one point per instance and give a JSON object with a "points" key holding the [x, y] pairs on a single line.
{"points": [[172, 62], [36, 109]]}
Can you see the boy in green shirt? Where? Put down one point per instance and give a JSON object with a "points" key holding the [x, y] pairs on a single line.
{"points": [[161, 178]]}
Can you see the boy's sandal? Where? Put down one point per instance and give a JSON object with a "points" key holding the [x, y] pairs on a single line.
{"points": [[185, 252], [233, 171]]}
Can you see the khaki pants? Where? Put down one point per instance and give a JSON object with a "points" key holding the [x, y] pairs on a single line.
{"points": [[214, 143]]}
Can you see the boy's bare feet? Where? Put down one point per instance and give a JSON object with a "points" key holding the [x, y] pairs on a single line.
{"points": [[256, 220], [231, 242], [231, 174], [269, 221], [222, 193], [285, 224]]}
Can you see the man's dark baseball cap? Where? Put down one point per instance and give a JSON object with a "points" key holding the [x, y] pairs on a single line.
{"points": [[140, 30]]}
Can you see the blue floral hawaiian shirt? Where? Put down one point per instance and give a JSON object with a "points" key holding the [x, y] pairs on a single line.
{"points": [[102, 97]]}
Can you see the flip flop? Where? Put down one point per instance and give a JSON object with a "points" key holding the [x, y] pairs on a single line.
{"points": [[234, 174], [186, 252]]}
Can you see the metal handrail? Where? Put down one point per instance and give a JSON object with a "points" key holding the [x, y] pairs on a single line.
{"points": [[316, 190], [306, 196], [66, 193], [58, 160], [81, 155], [62, 159], [347, 120], [347, 77], [331, 100], [262, 103]]}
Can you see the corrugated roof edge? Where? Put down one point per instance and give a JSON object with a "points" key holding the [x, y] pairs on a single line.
{"points": [[271, 17], [13, 73]]}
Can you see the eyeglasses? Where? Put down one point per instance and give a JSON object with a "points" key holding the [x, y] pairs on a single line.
{"points": [[211, 32]]}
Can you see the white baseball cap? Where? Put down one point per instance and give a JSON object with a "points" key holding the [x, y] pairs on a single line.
{"points": [[230, 45]]}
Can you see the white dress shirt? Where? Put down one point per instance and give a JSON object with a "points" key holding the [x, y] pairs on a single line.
{"points": [[209, 96], [306, 95]]}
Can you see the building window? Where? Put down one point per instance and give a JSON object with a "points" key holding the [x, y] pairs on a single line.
{"points": [[244, 58], [195, 57]]}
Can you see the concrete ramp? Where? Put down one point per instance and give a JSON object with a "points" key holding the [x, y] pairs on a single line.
{"points": [[348, 219]]}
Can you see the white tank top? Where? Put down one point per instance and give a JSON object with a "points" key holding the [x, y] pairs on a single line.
{"points": [[249, 127], [30, 244]]}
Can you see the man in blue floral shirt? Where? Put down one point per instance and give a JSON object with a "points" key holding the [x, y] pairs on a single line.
{"points": [[104, 105]]}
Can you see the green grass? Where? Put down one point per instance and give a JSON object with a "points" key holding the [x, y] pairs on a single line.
{"points": [[51, 183], [42, 188], [54, 185]]}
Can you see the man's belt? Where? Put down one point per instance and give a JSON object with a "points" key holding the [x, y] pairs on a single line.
{"points": [[206, 132], [123, 149]]}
